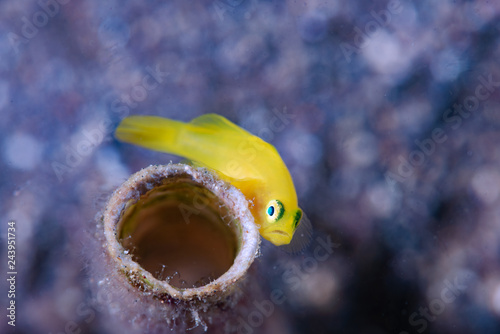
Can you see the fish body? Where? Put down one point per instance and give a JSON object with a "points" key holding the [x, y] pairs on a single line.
{"points": [[246, 161]]}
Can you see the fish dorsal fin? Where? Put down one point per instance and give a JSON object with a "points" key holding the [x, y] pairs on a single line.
{"points": [[239, 142], [219, 123]]}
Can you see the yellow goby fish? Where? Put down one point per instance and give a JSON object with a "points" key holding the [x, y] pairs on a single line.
{"points": [[246, 161]]}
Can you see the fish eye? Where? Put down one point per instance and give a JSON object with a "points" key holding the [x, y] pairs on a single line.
{"points": [[275, 210]]}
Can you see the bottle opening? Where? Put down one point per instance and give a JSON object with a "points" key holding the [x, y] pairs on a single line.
{"points": [[181, 233]]}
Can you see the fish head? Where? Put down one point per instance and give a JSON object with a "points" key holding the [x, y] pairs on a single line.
{"points": [[280, 222]]}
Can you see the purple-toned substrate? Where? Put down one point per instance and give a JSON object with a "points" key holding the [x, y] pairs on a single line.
{"points": [[385, 112]]}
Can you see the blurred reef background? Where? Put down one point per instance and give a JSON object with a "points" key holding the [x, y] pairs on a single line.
{"points": [[387, 114]]}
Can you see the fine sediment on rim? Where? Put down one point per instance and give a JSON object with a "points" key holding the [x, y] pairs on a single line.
{"points": [[177, 245]]}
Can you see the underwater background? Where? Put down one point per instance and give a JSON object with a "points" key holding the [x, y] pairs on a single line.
{"points": [[387, 114]]}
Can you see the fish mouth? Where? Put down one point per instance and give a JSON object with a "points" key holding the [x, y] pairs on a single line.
{"points": [[280, 232], [278, 237]]}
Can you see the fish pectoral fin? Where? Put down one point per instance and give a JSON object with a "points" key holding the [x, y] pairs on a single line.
{"points": [[191, 163], [244, 182], [249, 187], [196, 163]]}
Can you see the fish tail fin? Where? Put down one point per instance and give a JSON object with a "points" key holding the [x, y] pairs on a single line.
{"points": [[156, 133]]}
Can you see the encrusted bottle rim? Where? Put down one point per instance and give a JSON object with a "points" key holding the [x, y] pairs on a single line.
{"points": [[140, 183]]}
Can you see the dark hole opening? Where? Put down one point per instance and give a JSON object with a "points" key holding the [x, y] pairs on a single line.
{"points": [[179, 232]]}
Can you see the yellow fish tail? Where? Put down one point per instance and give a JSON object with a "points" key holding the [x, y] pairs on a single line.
{"points": [[153, 132]]}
